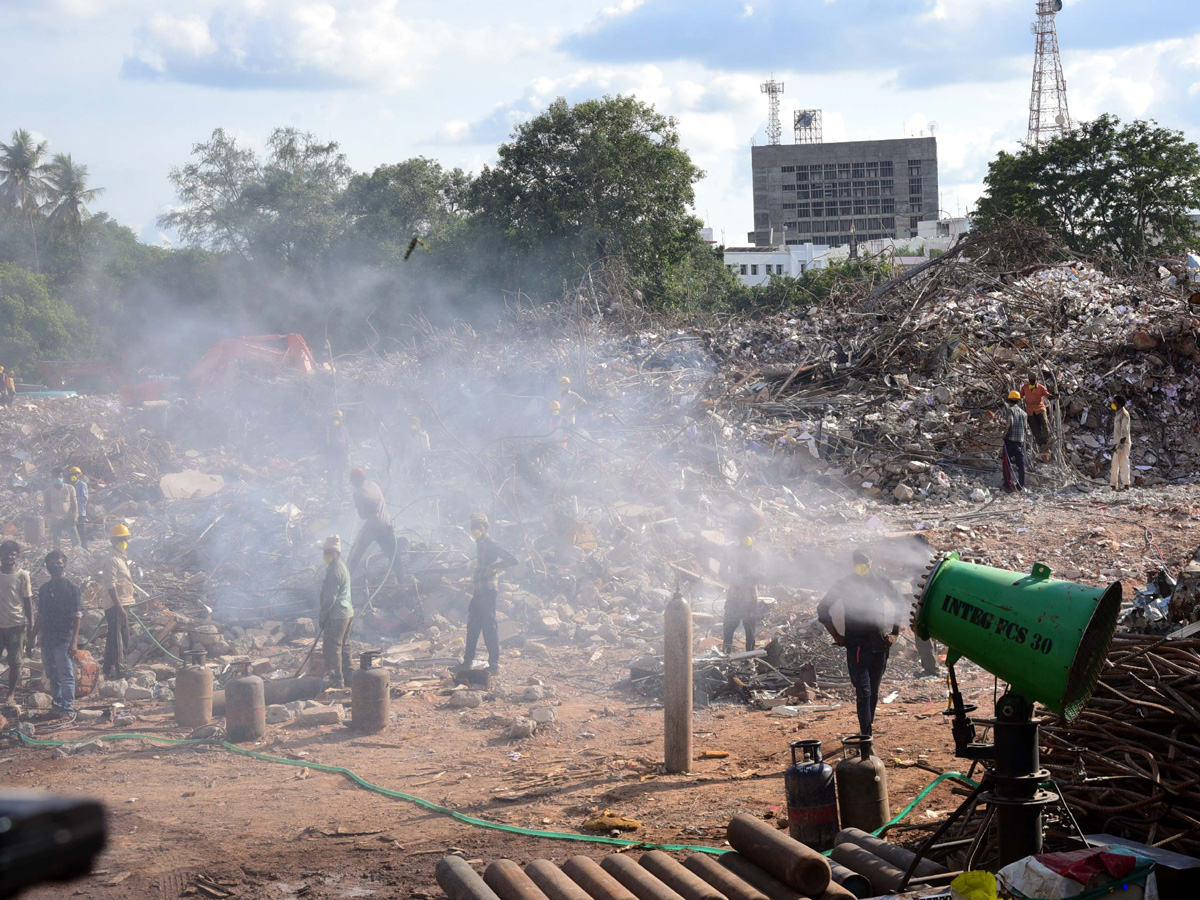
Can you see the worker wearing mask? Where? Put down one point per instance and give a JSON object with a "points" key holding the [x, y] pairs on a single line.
{"points": [[1016, 429], [118, 597], [62, 508], [862, 613], [80, 483], [16, 614], [490, 560], [336, 615], [60, 612], [1118, 475], [741, 601], [1035, 396], [377, 524]]}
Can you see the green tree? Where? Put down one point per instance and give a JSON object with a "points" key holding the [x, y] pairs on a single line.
{"points": [[67, 196], [700, 282], [22, 185], [1102, 187], [214, 212], [578, 183], [35, 324]]}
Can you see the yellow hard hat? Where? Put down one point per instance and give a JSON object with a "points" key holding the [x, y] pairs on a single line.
{"points": [[118, 531], [565, 381], [1, 368], [74, 470], [1014, 395], [555, 406]]}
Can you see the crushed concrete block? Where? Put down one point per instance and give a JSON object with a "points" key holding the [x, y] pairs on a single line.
{"points": [[189, 484], [543, 715], [466, 699], [278, 714], [533, 692], [314, 718], [137, 692], [521, 728], [903, 493], [39, 700], [114, 690]]}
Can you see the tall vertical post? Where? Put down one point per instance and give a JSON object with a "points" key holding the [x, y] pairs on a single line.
{"points": [[773, 89], [1048, 115], [677, 684]]}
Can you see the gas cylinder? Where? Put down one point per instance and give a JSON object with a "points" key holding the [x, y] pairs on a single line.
{"points": [[811, 797], [862, 787], [194, 691], [245, 708], [371, 694]]}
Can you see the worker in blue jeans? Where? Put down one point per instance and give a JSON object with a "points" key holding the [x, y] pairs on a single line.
{"points": [[861, 612], [59, 614]]}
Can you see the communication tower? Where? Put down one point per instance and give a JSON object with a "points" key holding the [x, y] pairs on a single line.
{"points": [[1048, 116], [773, 89]]}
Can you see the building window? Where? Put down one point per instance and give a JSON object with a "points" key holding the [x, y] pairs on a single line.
{"points": [[860, 207], [802, 176], [743, 269], [915, 204], [779, 268], [789, 224], [912, 222], [830, 172], [886, 169], [914, 167], [874, 225], [754, 270], [789, 187], [802, 193], [802, 211], [787, 169], [873, 207], [914, 185], [889, 223], [844, 207], [859, 170], [872, 170], [791, 242], [889, 206], [805, 228], [831, 192], [818, 209], [789, 206], [885, 187], [843, 189], [860, 192], [843, 170]]}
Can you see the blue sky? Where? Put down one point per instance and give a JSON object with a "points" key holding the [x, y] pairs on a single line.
{"points": [[127, 87]]}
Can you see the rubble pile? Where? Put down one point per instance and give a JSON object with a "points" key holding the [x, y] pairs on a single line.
{"points": [[894, 395], [1128, 764]]}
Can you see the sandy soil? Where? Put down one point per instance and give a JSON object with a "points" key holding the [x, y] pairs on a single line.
{"points": [[266, 830]]}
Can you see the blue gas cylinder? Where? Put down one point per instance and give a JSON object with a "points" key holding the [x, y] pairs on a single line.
{"points": [[811, 797]]}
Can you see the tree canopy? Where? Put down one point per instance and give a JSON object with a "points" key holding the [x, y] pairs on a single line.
{"points": [[1104, 188]]}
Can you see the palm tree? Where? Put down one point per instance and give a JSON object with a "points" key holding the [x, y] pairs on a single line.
{"points": [[67, 194], [21, 182]]}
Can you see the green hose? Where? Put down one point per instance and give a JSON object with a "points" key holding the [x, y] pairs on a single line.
{"points": [[149, 635], [454, 814]]}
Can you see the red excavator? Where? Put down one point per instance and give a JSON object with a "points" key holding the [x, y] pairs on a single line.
{"points": [[263, 354]]}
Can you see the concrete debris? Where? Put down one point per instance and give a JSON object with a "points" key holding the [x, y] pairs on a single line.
{"points": [[521, 727], [543, 715], [466, 699], [315, 717], [278, 714]]}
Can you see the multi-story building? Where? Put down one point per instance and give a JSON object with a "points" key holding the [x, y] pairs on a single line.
{"points": [[823, 193]]}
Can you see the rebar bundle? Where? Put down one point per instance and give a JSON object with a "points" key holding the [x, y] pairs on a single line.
{"points": [[1129, 764]]}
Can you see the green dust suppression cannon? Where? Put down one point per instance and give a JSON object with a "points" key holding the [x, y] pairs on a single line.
{"points": [[1048, 640]]}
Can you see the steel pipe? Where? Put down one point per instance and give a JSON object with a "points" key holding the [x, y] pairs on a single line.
{"points": [[553, 882], [856, 884], [788, 860], [460, 881], [889, 853], [672, 873], [722, 879], [882, 875], [641, 883], [593, 879], [508, 881], [761, 880]]}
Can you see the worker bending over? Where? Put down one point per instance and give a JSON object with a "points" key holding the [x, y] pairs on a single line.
{"points": [[336, 615], [377, 524], [862, 613], [490, 560]]}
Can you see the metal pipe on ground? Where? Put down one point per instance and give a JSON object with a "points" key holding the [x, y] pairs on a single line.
{"points": [[722, 879], [672, 873], [836, 892], [593, 879], [508, 881], [553, 882], [285, 690], [641, 883], [890, 853], [460, 881], [788, 860], [883, 875], [761, 880], [856, 884]]}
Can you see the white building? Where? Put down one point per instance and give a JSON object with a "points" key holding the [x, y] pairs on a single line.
{"points": [[944, 228], [756, 265]]}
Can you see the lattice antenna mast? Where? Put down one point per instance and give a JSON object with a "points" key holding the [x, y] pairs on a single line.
{"points": [[773, 89], [1048, 115]]}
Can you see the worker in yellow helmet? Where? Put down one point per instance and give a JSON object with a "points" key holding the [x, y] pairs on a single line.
{"points": [[118, 597], [1016, 431], [570, 403]]}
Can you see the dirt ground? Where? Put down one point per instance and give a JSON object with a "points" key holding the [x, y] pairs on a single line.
{"points": [[258, 829]]}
